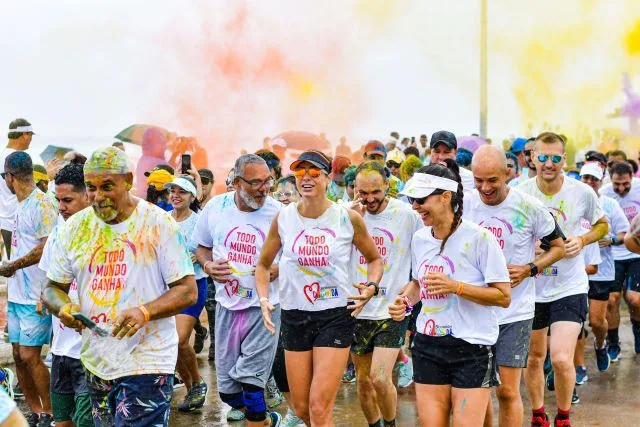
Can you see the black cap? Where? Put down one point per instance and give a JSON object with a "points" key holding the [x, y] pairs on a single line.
{"points": [[444, 137], [595, 156], [160, 167], [316, 158], [205, 173]]}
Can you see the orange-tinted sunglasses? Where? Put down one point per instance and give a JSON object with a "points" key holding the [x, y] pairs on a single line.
{"points": [[313, 172]]}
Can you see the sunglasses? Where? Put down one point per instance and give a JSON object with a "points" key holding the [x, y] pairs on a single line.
{"points": [[510, 166], [205, 181], [527, 152], [392, 164], [555, 159], [419, 201], [285, 194], [313, 172]]}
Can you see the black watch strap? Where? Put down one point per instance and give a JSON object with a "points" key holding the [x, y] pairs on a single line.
{"points": [[375, 285], [534, 269]]}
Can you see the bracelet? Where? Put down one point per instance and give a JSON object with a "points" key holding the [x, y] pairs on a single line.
{"points": [[145, 312], [460, 288]]}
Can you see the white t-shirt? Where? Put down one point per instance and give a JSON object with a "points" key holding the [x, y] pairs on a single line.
{"points": [[517, 223], [630, 205], [238, 237], [591, 254], [118, 267], [392, 231], [574, 201], [35, 218], [472, 256], [617, 223], [8, 201], [315, 267], [66, 341], [466, 177], [186, 229]]}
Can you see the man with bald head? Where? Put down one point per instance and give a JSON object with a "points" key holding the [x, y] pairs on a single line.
{"points": [[517, 221]]}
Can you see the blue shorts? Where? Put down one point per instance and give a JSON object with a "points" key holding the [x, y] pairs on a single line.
{"points": [[26, 327], [137, 400], [196, 308]]}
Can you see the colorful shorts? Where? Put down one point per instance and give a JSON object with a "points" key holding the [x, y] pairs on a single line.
{"points": [[137, 400], [26, 327], [70, 400]]}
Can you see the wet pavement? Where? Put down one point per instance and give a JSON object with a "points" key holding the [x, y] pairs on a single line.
{"points": [[607, 399]]}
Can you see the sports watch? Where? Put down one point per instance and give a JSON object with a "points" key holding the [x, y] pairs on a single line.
{"points": [[375, 285], [534, 269]]}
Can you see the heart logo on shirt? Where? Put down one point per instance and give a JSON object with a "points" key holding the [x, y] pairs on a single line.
{"points": [[231, 287], [312, 291]]}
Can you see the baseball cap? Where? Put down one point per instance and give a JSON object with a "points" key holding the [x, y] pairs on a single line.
{"points": [[375, 147], [595, 156], [40, 173], [517, 146], [109, 160], [205, 173], [316, 158], [423, 184], [339, 164], [158, 178], [593, 169], [183, 182], [396, 156], [160, 167], [444, 137]]}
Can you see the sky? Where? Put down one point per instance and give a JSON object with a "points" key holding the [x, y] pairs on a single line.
{"points": [[232, 72]]}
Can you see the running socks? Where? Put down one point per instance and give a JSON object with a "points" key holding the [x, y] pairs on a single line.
{"points": [[613, 337], [539, 412], [562, 414], [391, 423], [377, 423], [635, 327]]}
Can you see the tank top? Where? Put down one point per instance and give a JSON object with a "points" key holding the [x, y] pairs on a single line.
{"points": [[316, 259]]}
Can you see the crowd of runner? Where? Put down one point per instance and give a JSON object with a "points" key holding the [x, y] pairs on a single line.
{"points": [[313, 270]]}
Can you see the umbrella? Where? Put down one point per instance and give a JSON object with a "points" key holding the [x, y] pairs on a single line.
{"points": [[53, 151], [299, 140], [133, 133], [471, 143]]}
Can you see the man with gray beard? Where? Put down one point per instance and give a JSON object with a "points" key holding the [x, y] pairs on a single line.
{"points": [[230, 233]]}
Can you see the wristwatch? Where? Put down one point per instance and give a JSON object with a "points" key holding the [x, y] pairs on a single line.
{"points": [[375, 285], [614, 240], [534, 269]]}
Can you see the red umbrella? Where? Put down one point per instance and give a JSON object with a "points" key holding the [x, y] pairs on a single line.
{"points": [[299, 140]]}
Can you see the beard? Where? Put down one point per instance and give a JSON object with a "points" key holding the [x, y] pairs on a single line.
{"points": [[248, 199], [107, 213]]}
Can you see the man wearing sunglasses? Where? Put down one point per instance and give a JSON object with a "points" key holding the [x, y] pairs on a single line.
{"points": [[376, 151], [230, 234], [561, 289], [626, 191]]}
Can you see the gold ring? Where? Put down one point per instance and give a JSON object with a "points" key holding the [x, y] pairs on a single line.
{"points": [[130, 326]]}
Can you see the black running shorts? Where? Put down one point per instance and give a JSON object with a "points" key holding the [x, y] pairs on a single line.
{"points": [[303, 330], [572, 308], [452, 361], [627, 275], [386, 333], [599, 290]]}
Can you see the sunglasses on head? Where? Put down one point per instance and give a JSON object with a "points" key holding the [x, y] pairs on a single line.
{"points": [[556, 158], [312, 171]]}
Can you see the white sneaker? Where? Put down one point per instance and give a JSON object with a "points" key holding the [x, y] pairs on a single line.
{"points": [[405, 374], [274, 398], [291, 419]]}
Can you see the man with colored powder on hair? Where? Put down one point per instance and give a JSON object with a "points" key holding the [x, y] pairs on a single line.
{"points": [[29, 327], [20, 134], [230, 233], [530, 170], [41, 178], [561, 289], [337, 187], [70, 398], [517, 220], [376, 151], [133, 276], [444, 145], [378, 338]]}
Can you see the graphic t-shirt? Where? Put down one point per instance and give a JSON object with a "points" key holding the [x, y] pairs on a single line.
{"points": [[186, 229], [630, 205], [617, 223], [66, 341], [35, 217], [238, 237], [517, 223], [471, 255], [8, 201], [117, 267], [316, 259], [574, 201], [392, 231]]}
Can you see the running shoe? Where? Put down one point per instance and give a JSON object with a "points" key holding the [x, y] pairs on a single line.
{"points": [[350, 374], [603, 360], [575, 398], [614, 352], [177, 382], [274, 397], [195, 397], [405, 374], [235, 415], [276, 419], [561, 423], [540, 421], [17, 392], [551, 384], [291, 419], [201, 335], [7, 381], [547, 364], [46, 420], [32, 419], [581, 375]]}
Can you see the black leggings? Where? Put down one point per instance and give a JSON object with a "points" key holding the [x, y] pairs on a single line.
{"points": [[279, 370]]}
